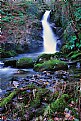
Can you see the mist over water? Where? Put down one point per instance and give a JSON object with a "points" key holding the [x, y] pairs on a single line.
{"points": [[48, 35]]}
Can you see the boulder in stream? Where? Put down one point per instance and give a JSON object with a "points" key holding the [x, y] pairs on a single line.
{"points": [[25, 63], [52, 65]]}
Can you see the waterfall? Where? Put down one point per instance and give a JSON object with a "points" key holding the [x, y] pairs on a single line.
{"points": [[48, 35]]}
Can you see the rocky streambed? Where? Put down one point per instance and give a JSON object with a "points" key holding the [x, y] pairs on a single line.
{"points": [[18, 78], [36, 96]]}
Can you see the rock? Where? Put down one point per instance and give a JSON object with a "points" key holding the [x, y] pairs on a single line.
{"points": [[51, 65], [59, 31], [15, 84], [2, 109], [11, 63], [25, 63], [8, 46], [9, 89], [2, 92]]}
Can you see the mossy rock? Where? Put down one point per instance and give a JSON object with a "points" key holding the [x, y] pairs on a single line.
{"points": [[11, 63], [25, 63], [51, 65], [6, 100], [45, 57]]}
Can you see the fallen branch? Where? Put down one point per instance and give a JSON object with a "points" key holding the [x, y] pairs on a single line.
{"points": [[6, 100], [9, 98]]}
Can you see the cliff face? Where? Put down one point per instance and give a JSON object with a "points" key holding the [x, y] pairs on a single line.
{"points": [[21, 27]]}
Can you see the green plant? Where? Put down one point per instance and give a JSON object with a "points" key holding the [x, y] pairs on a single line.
{"points": [[48, 110], [6, 19], [7, 53], [60, 104]]}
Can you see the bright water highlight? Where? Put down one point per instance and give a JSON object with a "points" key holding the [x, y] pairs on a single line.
{"points": [[48, 35]]}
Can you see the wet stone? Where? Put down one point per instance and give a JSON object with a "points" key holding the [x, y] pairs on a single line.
{"points": [[9, 89], [47, 77], [2, 109], [3, 92], [28, 77], [28, 91], [14, 99]]}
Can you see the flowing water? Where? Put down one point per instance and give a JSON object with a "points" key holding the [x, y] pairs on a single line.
{"points": [[48, 35]]}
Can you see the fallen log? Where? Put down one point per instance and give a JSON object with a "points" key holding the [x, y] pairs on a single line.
{"points": [[9, 98]]}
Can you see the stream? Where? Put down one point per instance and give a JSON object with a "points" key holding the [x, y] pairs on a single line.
{"points": [[11, 78]]}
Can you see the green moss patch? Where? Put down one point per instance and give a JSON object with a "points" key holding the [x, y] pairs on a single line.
{"points": [[45, 57], [51, 65], [60, 104], [25, 63], [8, 99]]}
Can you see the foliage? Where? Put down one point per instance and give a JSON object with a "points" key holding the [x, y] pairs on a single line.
{"points": [[74, 112], [58, 105], [48, 110], [77, 13], [68, 16], [74, 55], [7, 53], [36, 102]]}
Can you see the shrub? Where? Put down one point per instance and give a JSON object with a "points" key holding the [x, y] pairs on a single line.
{"points": [[60, 104]]}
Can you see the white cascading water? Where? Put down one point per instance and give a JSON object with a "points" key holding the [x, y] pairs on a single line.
{"points": [[48, 35]]}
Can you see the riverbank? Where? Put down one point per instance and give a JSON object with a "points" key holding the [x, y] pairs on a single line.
{"points": [[38, 91]]}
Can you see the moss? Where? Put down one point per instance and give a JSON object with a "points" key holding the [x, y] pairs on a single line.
{"points": [[44, 57], [60, 104], [51, 65], [25, 63], [8, 99]]}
